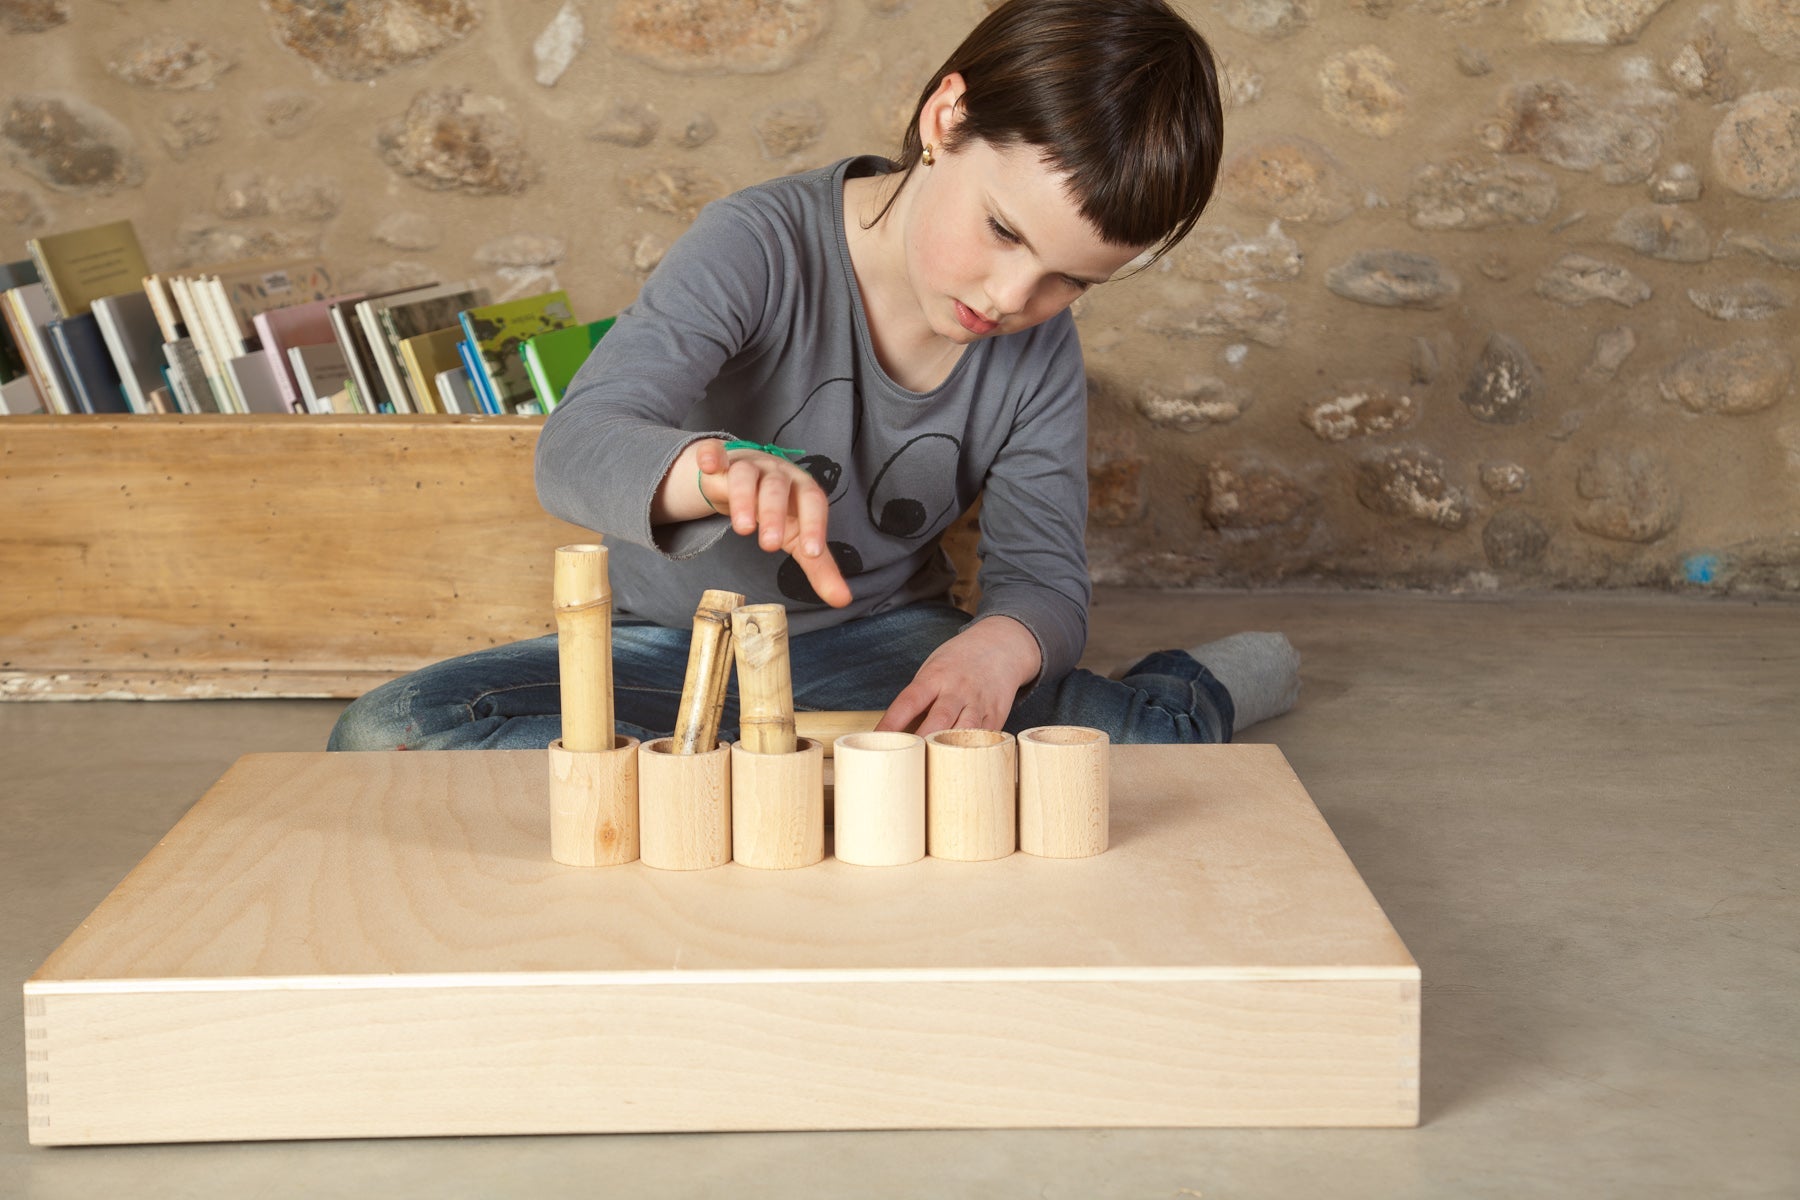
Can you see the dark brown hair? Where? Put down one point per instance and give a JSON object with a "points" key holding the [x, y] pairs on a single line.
{"points": [[1120, 95]]}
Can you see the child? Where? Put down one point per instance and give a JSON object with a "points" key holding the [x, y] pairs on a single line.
{"points": [[831, 366]]}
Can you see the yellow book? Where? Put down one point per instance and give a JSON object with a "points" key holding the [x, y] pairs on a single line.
{"points": [[425, 356], [82, 265]]}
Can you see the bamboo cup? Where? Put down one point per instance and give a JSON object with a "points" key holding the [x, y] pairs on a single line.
{"points": [[593, 772], [708, 668], [684, 806], [778, 806], [971, 788], [594, 804], [765, 685], [880, 799], [1064, 791]]}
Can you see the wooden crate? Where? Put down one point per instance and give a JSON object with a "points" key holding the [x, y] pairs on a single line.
{"points": [[263, 555], [230, 556], [369, 945]]}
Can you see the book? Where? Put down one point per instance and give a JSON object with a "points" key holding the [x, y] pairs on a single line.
{"points": [[466, 355], [82, 264], [82, 352], [427, 312], [187, 377], [159, 400], [12, 359], [27, 312], [495, 332], [162, 303], [551, 359], [227, 336], [20, 396], [281, 329], [211, 367], [355, 345], [257, 285], [321, 371], [129, 328], [453, 391], [254, 377], [425, 355]]}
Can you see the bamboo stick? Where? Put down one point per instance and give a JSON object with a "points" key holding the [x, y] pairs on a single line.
{"points": [[708, 668], [828, 726], [583, 597], [765, 684]]}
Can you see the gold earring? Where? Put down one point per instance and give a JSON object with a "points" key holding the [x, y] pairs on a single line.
{"points": [[926, 157]]}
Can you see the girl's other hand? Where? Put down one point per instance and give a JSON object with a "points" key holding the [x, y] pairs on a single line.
{"points": [[969, 682], [780, 503]]}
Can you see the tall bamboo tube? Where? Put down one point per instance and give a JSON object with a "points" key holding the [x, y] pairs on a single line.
{"points": [[765, 683], [583, 597], [708, 669], [1064, 798]]}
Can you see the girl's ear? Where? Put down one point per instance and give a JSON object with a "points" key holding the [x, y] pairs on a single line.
{"points": [[943, 110]]}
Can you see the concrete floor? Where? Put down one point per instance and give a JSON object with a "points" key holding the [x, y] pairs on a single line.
{"points": [[1581, 813]]}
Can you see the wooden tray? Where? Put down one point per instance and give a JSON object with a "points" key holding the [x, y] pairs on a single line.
{"points": [[377, 945]]}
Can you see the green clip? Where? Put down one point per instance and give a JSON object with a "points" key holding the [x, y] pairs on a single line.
{"points": [[767, 448]]}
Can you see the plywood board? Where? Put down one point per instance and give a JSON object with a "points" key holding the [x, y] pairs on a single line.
{"points": [[362, 945]]}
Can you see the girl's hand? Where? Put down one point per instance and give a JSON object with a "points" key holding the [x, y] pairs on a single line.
{"points": [[766, 495], [969, 682]]}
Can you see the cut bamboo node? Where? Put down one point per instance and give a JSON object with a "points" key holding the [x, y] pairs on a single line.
{"points": [[1065, 776], [778, 806], [759, 634], [708, 671], [594, 804], [684, 807], [971, 791], [879, 799], [583, 597]]}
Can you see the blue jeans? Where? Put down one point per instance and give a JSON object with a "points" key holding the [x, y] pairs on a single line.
{"points": [[509, 697]]}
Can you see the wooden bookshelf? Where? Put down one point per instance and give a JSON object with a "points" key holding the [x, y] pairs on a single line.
{"points": [[237, 556], [231, 556]]}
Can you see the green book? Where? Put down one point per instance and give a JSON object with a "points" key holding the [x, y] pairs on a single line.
{"points": [[551, 359], [496, 331]]}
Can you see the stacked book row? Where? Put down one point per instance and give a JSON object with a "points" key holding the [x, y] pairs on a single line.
{"points": [[89, 329]]}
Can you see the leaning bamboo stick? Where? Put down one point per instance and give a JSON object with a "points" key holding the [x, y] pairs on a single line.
{"points": [[583, 597], [708, 668], [765, 682]]}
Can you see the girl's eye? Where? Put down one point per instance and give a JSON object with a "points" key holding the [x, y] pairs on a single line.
{"points": [[1080, 285], [1002, 232]]}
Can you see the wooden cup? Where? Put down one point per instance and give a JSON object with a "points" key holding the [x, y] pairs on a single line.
{"points": [[879, 797], [684, 806], [594, 804], [971, 791], [778, 806], [1064, 793]]}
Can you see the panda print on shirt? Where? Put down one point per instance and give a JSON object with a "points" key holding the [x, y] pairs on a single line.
{"points": [[907, 495]]}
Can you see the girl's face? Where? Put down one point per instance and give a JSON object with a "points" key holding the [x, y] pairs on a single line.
{"points": [[994, 240]]}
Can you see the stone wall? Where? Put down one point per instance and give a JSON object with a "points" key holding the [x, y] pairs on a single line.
{"points": [[1495, 293]]}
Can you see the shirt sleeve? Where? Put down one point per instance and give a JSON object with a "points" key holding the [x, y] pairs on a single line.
{"points": [[1034, 512], [609, 444]]}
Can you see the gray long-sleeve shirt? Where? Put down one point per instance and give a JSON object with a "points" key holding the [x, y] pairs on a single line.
{"points": [[753, 327]]}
